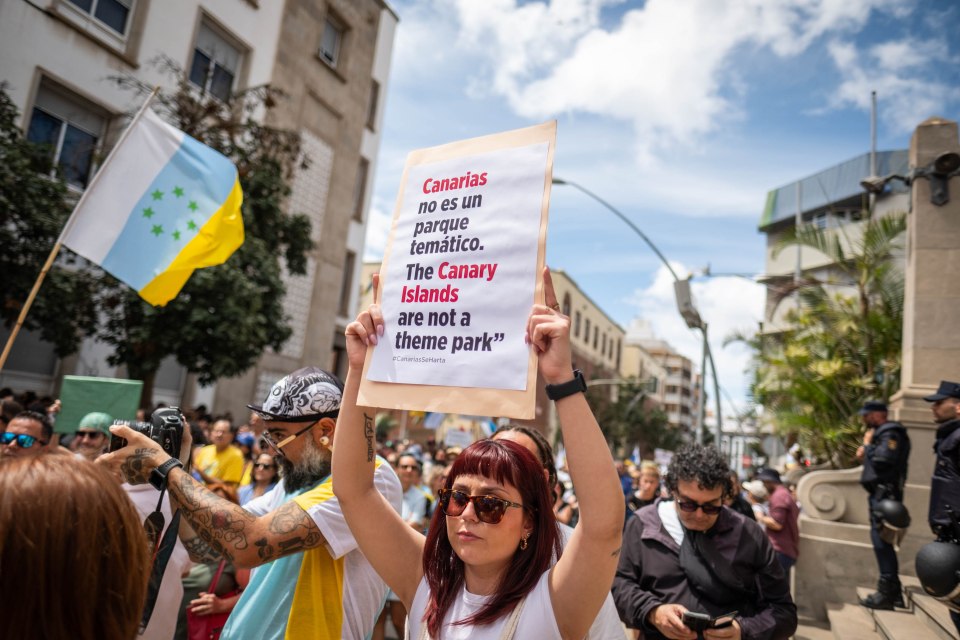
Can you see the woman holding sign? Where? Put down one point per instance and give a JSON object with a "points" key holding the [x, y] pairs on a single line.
{"points": [[484, 569]]}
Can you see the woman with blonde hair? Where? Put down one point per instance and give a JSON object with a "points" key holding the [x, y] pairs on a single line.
{"points": [[484, 570], [74, 557]]}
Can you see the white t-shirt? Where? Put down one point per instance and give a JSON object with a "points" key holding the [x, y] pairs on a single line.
{"points": [[163, 622], [536, 619]]}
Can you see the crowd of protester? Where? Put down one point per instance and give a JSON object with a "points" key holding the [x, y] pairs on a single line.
{"points": [[500, 539], [232, 461]]}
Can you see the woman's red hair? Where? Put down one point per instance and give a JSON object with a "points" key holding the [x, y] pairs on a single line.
{"points": [[507, 463]]}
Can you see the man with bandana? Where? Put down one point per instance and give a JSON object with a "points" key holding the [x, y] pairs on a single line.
{"points": [[309, 578]]}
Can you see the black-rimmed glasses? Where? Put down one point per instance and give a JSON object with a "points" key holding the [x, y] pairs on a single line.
{"points": [[690, 506], [489, 509]]}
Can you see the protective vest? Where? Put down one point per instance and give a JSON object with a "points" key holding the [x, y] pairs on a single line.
{"points": [[945, 484], [885, 462]]}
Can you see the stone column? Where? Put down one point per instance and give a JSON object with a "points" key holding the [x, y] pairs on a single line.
{"points": [[931, 344], [931, 335]]}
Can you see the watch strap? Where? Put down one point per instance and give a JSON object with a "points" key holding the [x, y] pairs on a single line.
{"points": [[576, 385], [158, 477]]}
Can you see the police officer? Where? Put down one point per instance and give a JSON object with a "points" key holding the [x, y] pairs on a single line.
{"points": [[884, 453], [945, 484]]}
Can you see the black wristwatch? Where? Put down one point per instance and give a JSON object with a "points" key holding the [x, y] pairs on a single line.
{"points": [[158, 477], [564, 389]]}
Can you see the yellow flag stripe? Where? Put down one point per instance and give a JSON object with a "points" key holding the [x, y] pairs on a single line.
{"points": [[214, 243]]}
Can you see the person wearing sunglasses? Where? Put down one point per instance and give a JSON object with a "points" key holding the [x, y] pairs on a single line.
{"points": [[485, 570], [693, 554], [28, 434], [92, 436], [311, 579], [265, 476]]}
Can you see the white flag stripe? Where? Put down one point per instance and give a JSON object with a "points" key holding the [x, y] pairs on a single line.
{"points": [[144, 152]]}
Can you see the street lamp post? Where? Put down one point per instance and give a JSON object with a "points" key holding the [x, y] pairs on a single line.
{"points": [[684, 304]]}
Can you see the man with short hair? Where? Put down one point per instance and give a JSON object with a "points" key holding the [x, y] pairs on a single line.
{"points": [[28, 434], [693, 554], [220, 460], [310, 578], [884, 453], [781, 520]]}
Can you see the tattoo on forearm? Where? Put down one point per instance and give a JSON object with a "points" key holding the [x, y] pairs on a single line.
{"points": [[292, 529], [219, 523], [368, 433], [133, 468], [200, 551]]}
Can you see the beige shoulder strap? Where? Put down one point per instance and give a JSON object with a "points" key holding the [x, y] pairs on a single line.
{"points": [[509, 629]]}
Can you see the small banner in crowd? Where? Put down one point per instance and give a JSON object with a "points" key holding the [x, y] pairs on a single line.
{"points": [[80, 395]]}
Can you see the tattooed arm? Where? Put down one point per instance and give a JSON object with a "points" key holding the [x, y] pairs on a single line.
{"points": [[221, 527], [391, 546], [217, 527]]}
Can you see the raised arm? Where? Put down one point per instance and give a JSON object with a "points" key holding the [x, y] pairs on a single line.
{"points": [[218, 527], [392, 547], [581, 579]]}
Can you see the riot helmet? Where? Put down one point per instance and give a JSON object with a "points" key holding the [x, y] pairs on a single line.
{"points": [[938, 567]]}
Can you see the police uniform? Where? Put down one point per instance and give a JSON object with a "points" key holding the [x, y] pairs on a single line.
{"points": [[945, 483], [884, 474]]}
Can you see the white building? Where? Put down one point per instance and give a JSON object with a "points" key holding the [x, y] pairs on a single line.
{"points": [[332, 57]]}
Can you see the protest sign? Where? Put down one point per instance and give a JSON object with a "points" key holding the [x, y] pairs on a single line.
{"points": [[80, 395], [460, 273]]}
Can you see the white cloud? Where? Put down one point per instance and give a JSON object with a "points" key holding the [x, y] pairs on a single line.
{"points": [[897, 71], [666, 68], [378, 230], [726, 304]]}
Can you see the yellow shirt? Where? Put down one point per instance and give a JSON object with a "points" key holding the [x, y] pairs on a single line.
{"points": [[226, 465]]}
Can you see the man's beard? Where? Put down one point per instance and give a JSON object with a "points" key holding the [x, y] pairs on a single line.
{"points": [[314, 466]]}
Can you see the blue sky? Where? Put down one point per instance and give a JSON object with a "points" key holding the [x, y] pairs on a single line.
{"points": [[681, 113]]}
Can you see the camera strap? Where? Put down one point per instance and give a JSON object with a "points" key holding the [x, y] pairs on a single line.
{"points": [[162, 550]]}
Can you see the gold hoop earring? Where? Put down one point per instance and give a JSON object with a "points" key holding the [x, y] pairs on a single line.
{"points": [[523, 542]]}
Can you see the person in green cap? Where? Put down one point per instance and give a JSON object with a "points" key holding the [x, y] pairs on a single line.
{"points": [[93, 435]]}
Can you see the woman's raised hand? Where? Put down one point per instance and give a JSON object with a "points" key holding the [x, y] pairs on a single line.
{"points": [[548, 331], [365, 330]]}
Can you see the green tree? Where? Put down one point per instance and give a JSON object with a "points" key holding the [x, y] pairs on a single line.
{"points": [[631, 419], [843, 346], [34, 204], [225, 316]]}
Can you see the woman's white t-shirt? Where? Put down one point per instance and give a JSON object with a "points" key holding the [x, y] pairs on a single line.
{"points": [[536, 619]]}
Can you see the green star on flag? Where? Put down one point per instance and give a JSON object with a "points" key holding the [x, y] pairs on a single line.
{"points": [[157, 230], [157, 195], [176, 235], [148, 213], [191, 225], [178, 191], [193, 206]]}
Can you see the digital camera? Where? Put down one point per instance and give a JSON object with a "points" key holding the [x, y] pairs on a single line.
{"points": [[165, 428]]}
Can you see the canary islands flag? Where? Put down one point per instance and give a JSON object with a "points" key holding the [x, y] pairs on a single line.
{"points": [[162, 205]]}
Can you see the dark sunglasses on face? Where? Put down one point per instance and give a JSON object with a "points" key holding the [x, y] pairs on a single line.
{"points": [[690, 506], [23, 440], [489, 509], [93, 435], [262, 465]]}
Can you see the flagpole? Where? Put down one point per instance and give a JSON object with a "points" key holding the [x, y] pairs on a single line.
{"points": [[66, 227]]}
